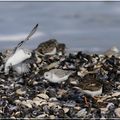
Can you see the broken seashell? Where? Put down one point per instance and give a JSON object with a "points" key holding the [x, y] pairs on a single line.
{"points": [[27, 104], [117, 112], [52, 117], [66, 109], [115, 94], [20, 92], [44, 96]]}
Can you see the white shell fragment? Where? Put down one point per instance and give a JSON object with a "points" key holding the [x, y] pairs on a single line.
{"points": [[27, 103], [117, 112], [115, 94], [44, 96], [20, 92], [66, 109]]}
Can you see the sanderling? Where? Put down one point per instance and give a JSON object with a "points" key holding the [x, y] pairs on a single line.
{"points": [[57, 75], [48, 47], [61, 49], [112, 51], [18, 57], [91, 87], [19, 54]]}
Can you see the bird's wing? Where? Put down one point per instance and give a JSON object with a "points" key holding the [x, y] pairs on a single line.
{"points": [[27, 38], [61, 73]]}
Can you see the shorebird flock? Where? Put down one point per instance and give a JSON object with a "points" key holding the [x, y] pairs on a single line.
{"points": [[75, 74]]}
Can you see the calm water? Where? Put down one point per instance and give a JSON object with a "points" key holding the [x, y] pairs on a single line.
{"points": [[81, 25]]}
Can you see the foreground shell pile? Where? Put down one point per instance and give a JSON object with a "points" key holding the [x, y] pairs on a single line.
{"points": [[28, 94]]}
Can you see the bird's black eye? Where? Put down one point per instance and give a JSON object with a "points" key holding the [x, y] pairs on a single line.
{"points": [[46, 75], [28, 53]]}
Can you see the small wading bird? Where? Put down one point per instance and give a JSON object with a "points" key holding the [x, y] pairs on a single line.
{"points": [[91, 87], [51, 47], [48, 48], [19, 54], [57, 75]]}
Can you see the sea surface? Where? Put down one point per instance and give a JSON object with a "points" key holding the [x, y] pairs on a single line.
{"points": [[93, 26]]}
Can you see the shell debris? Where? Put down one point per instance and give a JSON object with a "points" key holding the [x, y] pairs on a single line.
{"points": [[55, 84]]}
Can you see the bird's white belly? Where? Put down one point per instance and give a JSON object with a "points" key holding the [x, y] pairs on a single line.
{"points": [[93, 93], [15, 60], [56, 79]]}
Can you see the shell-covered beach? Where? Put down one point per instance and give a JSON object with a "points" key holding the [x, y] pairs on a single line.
{"points": [[25, 93], [68, 68]]}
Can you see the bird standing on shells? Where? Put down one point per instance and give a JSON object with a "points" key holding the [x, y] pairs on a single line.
{"points": [[51, 47], [91, 87], [112, 51], [57, 75], [19, 54], [48, 47], [61, 49]]}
